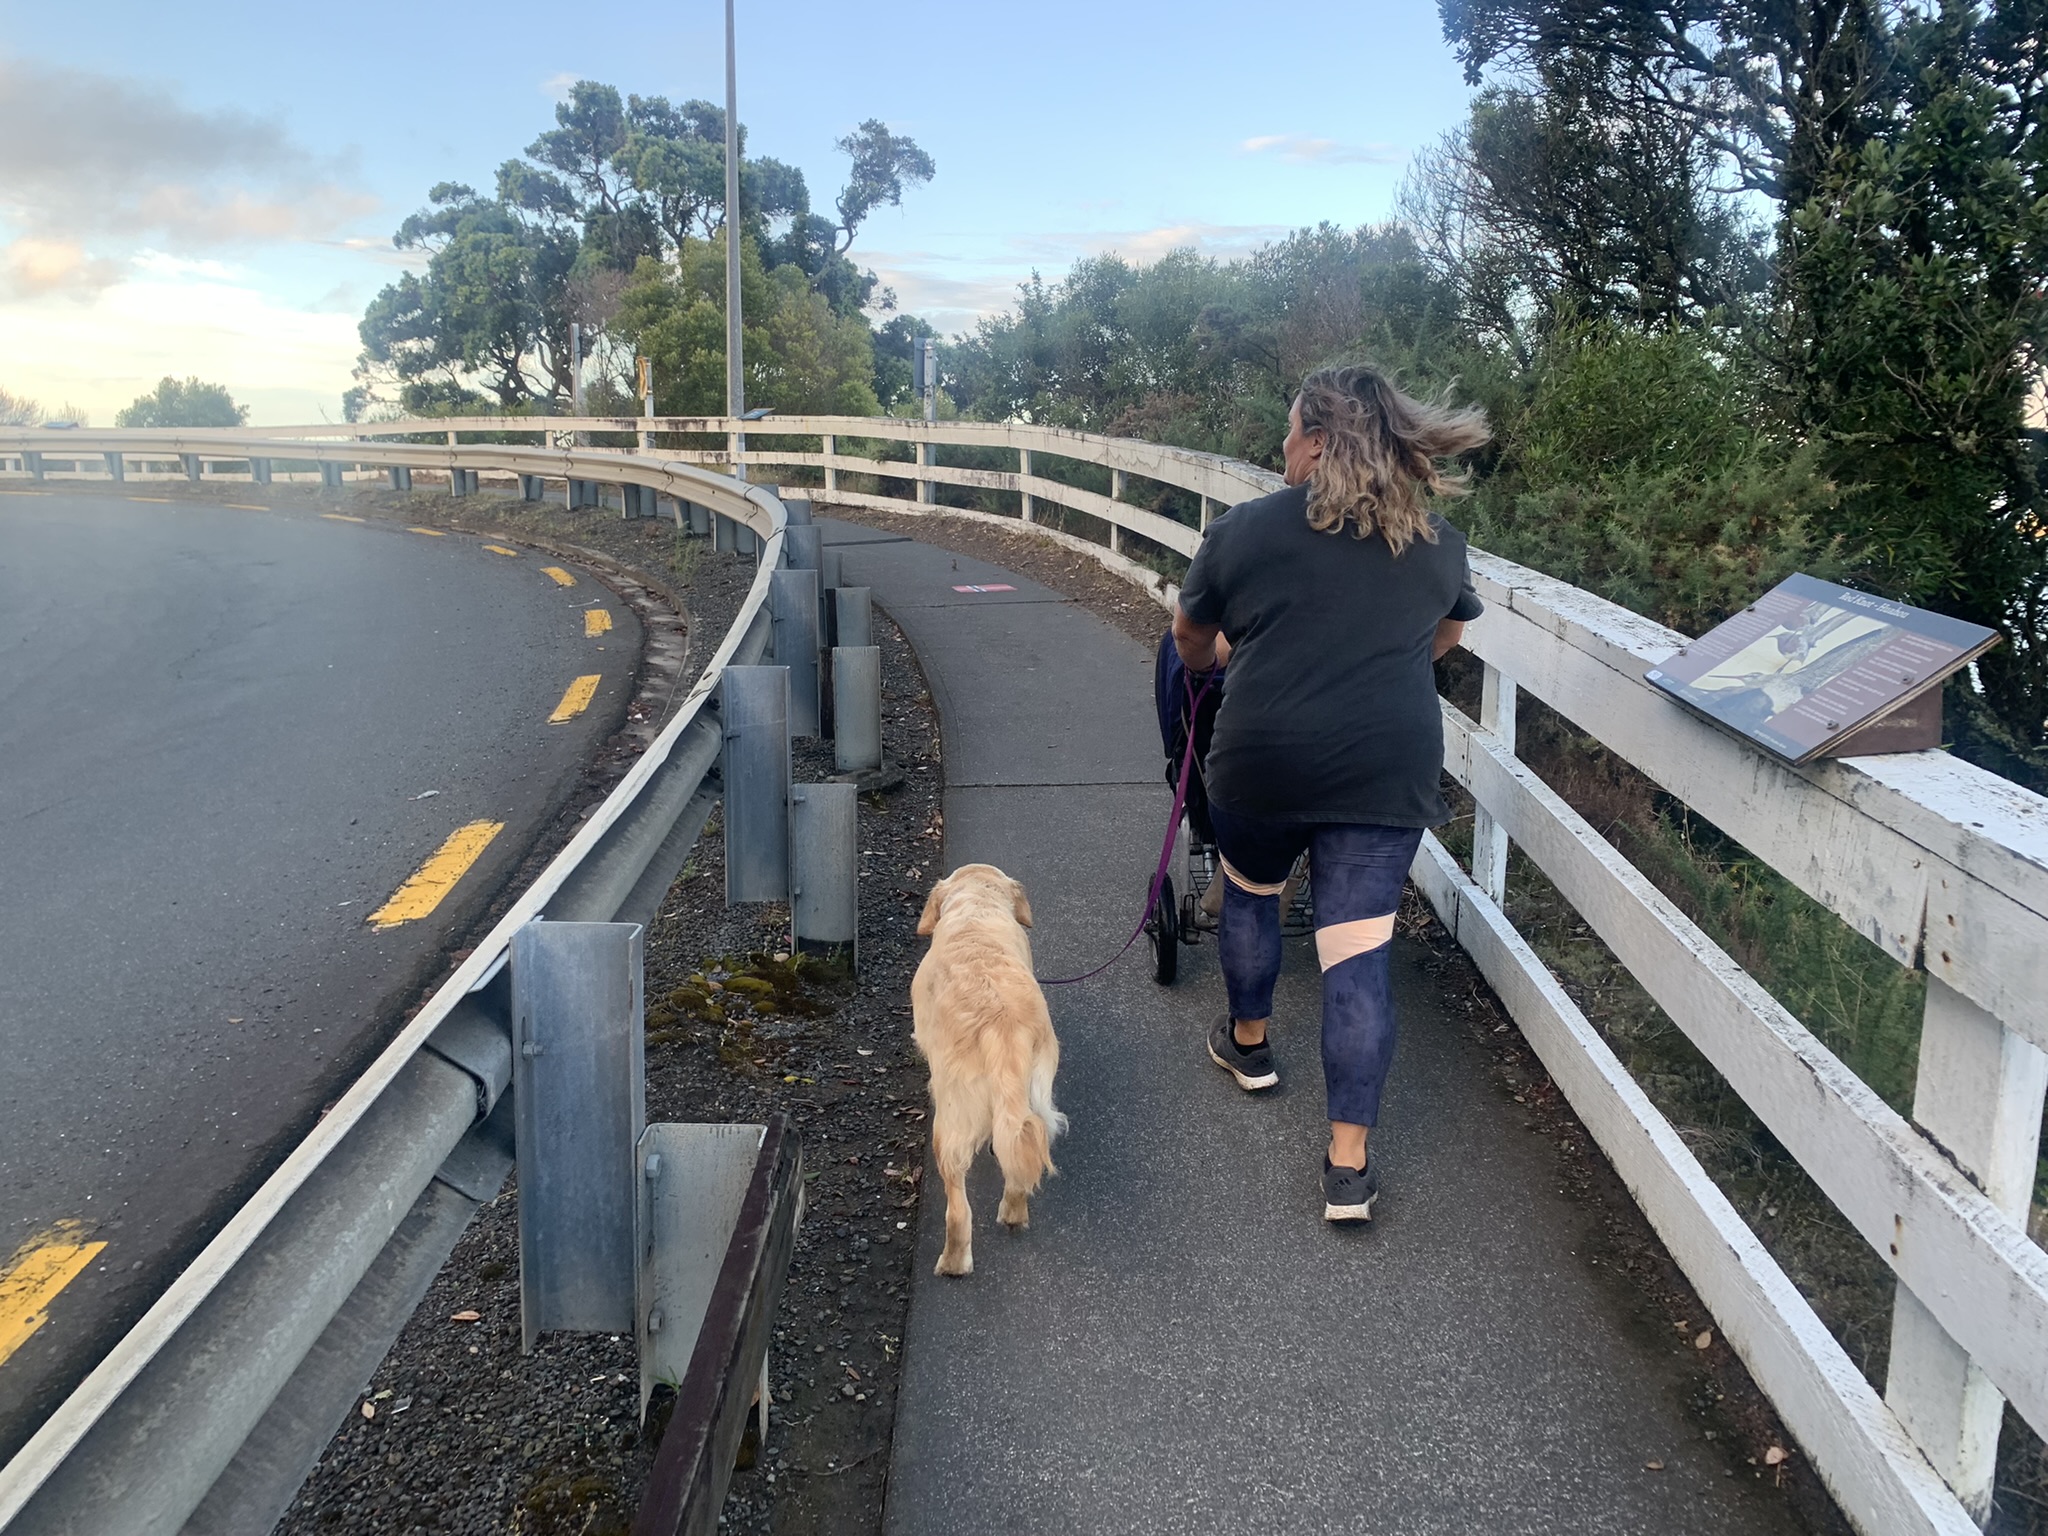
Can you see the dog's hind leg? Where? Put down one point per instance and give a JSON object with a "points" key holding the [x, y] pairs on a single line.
{"points": [[1021, 1148], [953, 1153]]}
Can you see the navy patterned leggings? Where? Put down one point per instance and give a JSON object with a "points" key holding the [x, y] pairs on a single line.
{"points": [[1358, 873]]}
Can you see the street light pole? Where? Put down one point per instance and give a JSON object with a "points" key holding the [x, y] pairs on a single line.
{"points": [[735, 379]]}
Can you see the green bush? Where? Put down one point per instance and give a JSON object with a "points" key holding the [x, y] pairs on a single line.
{"points": [[1630, 466]]}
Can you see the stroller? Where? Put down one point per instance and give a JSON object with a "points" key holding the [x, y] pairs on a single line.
{"points": [[1193, 905]]}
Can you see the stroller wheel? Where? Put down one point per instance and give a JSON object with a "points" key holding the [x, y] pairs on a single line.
{"points": [[1163, 928]]}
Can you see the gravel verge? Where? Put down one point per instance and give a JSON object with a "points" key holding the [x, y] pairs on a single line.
{"points": [[457, 1431]]}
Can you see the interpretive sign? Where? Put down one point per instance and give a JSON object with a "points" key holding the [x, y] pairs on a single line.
{"points": [[1815, 670]]}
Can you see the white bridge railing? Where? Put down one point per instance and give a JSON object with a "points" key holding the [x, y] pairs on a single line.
{"points": [[1942, 866]]}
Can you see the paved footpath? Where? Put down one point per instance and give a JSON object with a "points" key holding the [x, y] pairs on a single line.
{"points": [[1179, 1343]]}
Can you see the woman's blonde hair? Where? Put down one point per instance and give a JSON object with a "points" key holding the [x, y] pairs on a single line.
{"points": [[1380, 450]]}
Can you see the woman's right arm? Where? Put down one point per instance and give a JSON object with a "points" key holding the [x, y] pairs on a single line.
{"points": [[1450, 634], [1197, 643]]}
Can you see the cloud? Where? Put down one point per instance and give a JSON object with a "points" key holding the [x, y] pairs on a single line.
{"points": [[107, 165], [557, 86], [1144, 246], [1301, 149], [175, 315], [30, 267]]}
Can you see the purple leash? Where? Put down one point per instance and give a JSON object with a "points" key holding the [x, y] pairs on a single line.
{"points": [[1180, 802]]}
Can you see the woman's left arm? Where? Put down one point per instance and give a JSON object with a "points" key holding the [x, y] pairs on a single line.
{"points": [[1450, 634]]}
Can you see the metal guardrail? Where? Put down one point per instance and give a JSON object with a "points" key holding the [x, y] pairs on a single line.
{"points": [[1943, 866], [222, 1393]]}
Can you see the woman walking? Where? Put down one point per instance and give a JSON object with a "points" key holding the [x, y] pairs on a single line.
{"points": [[1337, 595]]}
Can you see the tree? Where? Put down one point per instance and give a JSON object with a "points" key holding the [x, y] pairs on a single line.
{"points": [[1917, 274], [1774, 86], [187, 403], [802, 356], [563, 237], [882, 162], [19, 410], [1905, 143]]}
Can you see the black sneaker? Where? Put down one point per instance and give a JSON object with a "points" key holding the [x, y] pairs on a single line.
{"points": [[1251, 1065], [1348, 1193]]}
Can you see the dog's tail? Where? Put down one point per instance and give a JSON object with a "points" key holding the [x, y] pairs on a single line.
{"points": [[1025, 1124]]}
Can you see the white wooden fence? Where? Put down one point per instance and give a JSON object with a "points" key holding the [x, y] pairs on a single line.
{"points": [[1941, 865]]}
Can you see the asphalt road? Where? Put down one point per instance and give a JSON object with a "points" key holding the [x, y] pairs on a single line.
{"points": [[227, 736]]}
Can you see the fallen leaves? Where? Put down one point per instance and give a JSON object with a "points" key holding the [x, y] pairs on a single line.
{"points": [[1705, 1339], [1776, 1455], [467, 1315]]}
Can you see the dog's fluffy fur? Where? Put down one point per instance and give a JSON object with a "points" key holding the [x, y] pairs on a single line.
{"points": [[982, 1025]]}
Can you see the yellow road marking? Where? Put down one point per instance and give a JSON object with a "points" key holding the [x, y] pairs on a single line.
{"points": [[499, 549], [340, 517], [432, 533], [560, 577], [162, 501], [436, 878], [596, 621], [247, 506], [576, 700], [40, 1268]]}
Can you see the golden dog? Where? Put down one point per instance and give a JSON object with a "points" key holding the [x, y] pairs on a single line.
{"points": [[982, 1025]]}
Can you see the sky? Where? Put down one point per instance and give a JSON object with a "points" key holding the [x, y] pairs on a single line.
{"points": [[211, 190]]}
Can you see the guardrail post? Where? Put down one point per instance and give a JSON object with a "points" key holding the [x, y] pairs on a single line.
{"points": [[1979, 1093], [1118, 484], [259, 471], [579, 1104], [532, 488], [925, 489], [401, 477], [1024, 473], [831, 466], [754, 707], [32, 461], [330, 475], [802, 548], [793, 603], [856, 708], [1489, 838], [798, 510], [117, 468], [191, 463], [743, 538], [824, 874], [852, 616], [1208, 510], [724, 533], [698, 518]]}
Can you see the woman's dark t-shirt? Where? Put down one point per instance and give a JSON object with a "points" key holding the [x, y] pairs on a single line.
{"points": [[1330, 712]]}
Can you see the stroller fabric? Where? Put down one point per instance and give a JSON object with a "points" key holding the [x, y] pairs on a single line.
{"points": [[1171, 692]]}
